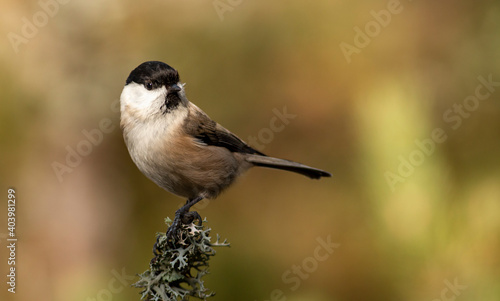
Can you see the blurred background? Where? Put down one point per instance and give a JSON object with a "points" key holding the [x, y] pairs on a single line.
{"points": [[398, 99]]}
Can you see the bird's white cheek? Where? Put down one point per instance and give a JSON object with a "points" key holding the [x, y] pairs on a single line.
{"points": [[140, 99]]}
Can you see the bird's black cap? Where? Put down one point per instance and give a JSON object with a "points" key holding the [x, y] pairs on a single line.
{"points": [[154, 72]]}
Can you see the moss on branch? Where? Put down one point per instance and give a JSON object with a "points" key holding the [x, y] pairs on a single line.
{"points": [[176, 272]]}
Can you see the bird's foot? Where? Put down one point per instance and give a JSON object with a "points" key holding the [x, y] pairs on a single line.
{"points": [[190, 217], [181, 218]]}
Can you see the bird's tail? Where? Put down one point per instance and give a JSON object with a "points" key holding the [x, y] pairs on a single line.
{"points": [[302, 169]]}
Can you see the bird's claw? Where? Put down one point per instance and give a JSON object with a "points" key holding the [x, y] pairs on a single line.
{"points": [[180, 219], [190, 216], [155, 247]]}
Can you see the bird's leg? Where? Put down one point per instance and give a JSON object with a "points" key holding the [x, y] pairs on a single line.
{"points": [[184, 216]]}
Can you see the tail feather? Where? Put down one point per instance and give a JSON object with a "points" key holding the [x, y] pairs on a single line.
{"points": [[264, 161]]}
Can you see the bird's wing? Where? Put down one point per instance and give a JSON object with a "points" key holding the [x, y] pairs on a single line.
{"points": [[209, 132]]}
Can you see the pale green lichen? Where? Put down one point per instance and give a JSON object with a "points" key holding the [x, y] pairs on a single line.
{"points": [[175, 272]]}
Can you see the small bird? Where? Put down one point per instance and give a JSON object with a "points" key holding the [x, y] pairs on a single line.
{"points": [[176, 145]]}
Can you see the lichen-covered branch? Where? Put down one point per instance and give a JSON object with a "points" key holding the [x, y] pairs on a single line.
{"points": [[175, 272]]}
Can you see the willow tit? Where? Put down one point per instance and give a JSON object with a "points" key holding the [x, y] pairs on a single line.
{"points": [[176, 145]]}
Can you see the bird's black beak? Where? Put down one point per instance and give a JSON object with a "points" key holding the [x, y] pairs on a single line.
{"points": [[173, 89]]}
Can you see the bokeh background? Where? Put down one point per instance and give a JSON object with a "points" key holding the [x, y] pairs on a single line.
{"points": [[404, 232]]}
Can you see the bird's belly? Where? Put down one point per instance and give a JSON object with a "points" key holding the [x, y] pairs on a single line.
{"points": [[192, 170]]}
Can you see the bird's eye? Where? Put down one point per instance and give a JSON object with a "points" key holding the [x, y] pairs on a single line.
{"points": [[149, 85]]}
